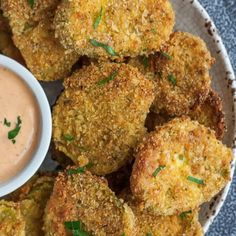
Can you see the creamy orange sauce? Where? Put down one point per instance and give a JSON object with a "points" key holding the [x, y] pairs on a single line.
{"points": [[16, 100]]}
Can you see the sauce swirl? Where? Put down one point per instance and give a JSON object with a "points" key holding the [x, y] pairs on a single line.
{"points": [[19, 124]]}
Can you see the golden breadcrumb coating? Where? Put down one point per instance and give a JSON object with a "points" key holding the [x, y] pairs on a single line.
{"points": [[32, 198], [150, 225], [11, 220], [181, 73], [210, 114], [7, 46], [34, 35], [178, 167], [130, 27], [86, 198], [100, 116]]}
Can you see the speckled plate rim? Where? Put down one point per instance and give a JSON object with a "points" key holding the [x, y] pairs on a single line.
{"points": [[198, 7]]}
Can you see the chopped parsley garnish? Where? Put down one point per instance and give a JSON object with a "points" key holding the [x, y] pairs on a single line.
{"points": [[195, 180], [172, 79], [31, 3], [149, 234], [108, 79], [79, 170], [183, 215], [156, 172], [106, 47], [76, 227], [154, 30], [123, 234], [13, 133], [7, 123], [181, 157], [166, 55], [98, 19], [145, 62], [69, 137]]}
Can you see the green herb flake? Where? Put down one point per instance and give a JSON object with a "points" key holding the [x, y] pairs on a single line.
{"points": [[106, 47], [154, 31], [76, 227], [145, 62], [7, 123], [79, 170], [172, 79], [149, 234], [123, 234], [156, 172], [98, 19], [183, 215], [31, 3], [68, 137], [13, 141], [166, 55], [13, 133], [181, 157], [108, 79], [195, 180]]}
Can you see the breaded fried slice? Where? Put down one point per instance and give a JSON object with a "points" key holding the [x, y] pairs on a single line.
{"points": [[178, 167], [34, 35], [32, 199], [146, 224], [114, 28], [87, 201], [100, 116], [7, 46], [181, 72], [210, 114], [11, 220], [25, 14]]}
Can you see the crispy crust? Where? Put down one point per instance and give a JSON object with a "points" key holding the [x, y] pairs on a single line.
{"points": [[101, 117], [189, 64], [154, 21], [185, 148], [86, 198], [161, 225], [32, 199], [11, 220], [210, 114], [34, 36]]}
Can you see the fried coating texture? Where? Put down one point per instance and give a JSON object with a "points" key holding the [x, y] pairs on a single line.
{"points": [[33, 34], [32, 199], [103, 116], [7, 46], [88, 199], [181, 73], [11, 220], [175, 225], [210, 114], [130, 27], [184, 150]]}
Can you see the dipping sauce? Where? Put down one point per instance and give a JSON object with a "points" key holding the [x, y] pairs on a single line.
{"points": [[19, 124]]}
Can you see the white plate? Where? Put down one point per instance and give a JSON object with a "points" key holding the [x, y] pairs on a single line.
{"points": [[191, 17]]}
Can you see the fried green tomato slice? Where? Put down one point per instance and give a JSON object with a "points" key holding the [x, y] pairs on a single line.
{"points": [[114, 28], [25, 14], [32, 199], [100, 116], [181, 72], [146, 224], [85, 200], [34, 36], [11, 220], [210, 114], [178, 167]]}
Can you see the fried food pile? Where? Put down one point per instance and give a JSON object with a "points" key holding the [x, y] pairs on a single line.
{"points": [[137, 129]]}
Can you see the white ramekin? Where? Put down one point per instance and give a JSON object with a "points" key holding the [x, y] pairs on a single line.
{"points": [[45, 124]]}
